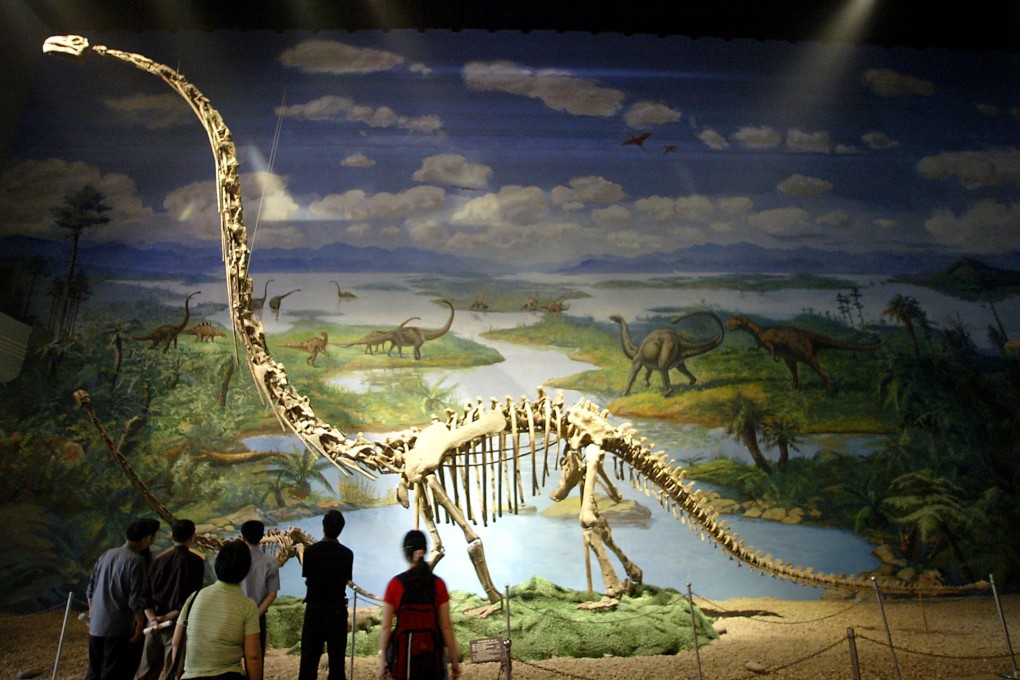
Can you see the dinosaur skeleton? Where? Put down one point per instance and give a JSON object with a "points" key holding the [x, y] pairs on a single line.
{"points": [[484, 445]]}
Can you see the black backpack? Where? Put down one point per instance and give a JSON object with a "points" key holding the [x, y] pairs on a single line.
{"points": [[415, 648]]}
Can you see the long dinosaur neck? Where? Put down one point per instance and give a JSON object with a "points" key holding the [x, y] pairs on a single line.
{"points": [[432, 334], [625, 340], [187, 314], [703, 346]]}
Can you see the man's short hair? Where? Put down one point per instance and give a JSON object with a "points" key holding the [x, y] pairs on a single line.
{"points": [[233, 562], [151, 524], [253, 530], [333, 523], [137, 531], [182, 531]]}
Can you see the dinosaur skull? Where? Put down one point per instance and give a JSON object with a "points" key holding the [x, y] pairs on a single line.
{"points": [[65, 46]]}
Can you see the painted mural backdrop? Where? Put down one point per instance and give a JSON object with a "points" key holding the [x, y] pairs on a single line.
{"points": [[832, 228]]}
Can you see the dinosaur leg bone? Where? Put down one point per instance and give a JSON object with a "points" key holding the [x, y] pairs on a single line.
{"points": [[475, 549]]}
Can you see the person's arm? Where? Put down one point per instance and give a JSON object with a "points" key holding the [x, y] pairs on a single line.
{"points": [[451, 640], [175, 644], [253, 656], [266, 601], [384, 637]]}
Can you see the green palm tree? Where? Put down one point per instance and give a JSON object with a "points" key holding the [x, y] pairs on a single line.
{"points": [[932, 511], [744, 417], [907, 311], [782, 431], [298, 471]]}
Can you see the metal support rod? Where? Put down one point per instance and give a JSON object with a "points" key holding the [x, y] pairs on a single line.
{"points": [[888, 634], [855, 666], [1005, 630], [694, 630], [507, 662], [354, 618], [63, 630]]}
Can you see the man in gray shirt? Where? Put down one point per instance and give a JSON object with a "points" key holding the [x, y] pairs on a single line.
{"points": [[116, 614], [263, 580]]}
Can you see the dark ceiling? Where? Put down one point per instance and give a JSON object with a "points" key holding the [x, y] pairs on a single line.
{"points": [[974, 25]]}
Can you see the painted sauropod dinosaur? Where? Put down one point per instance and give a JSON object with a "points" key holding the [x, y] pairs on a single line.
{"points": [[168, 333], [794, 345], [665, 348], [376, 340], [342, 295], [277, 300], [476, 454], [204, 332], [415, 336], [256, 304], [314, 346]]}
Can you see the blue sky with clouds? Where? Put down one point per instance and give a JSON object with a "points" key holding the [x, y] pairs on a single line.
{"points": [[511, 146]]}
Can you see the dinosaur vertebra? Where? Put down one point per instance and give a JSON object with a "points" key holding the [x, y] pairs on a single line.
{"points": [[792, 345], [204, 332], [415, 336], [314, 346], [663, 349], [481, 440], [168, 333]]}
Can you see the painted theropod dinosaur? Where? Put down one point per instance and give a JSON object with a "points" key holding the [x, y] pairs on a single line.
{"points": [[168, 333], [314, 347], [477, 454], [794, 345], [664, 349]]}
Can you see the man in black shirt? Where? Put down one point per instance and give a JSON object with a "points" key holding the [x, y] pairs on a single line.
{"points": [[327, 567], [172, 578]]}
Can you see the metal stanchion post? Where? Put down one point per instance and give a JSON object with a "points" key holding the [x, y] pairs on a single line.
{"points": [[354, 618], [888, 635], [1005, 630], [694, 630], [506, 641], [63, 630], [855, 666]]}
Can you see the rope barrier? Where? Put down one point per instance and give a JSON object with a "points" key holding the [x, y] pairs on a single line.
{"points": [[786, 623], [796, 662], [936, 655]]}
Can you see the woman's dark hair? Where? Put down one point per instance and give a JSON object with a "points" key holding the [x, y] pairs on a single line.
{"points": [[233, 562], [414, 541]]}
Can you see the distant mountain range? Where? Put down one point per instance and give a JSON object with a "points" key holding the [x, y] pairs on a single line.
{"points": [[742, 258], [746, 258]]}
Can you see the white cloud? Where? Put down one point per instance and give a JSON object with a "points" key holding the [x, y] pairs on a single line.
{"points": [[988, 109], [987, 226], [357, 205], [359, 230], [694, 208], [337, 58], [886, 223], [736, 205], [886, 82], [558, 90], [514, 205], [420, 68], [658, 208], [429, 233], [336, 108], [152, 111], [613, 216], [357, 160], [647, 113], [844, 148], [878, 140], [630, 241], [781, 221], [974, 169], [30, 188], [836, 219], [450, 169], [801, 185], [196, 212], [713, 139], [590, 189], [812, 142], [757, 137]]}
